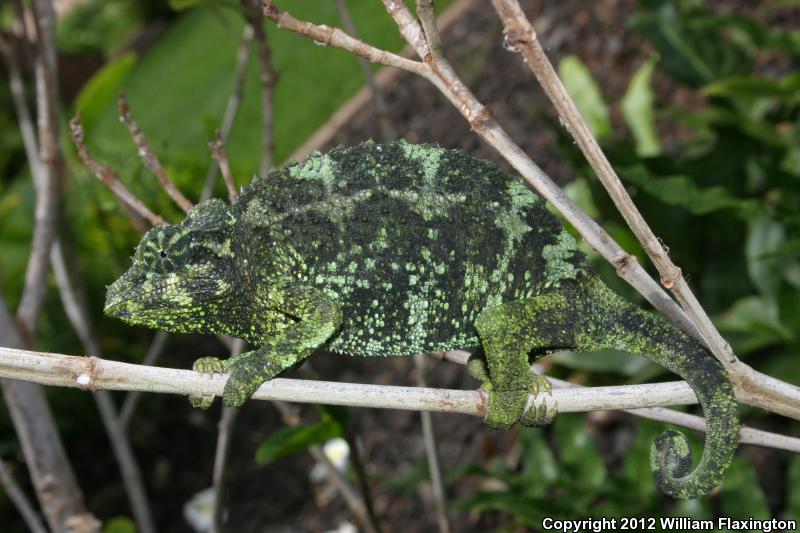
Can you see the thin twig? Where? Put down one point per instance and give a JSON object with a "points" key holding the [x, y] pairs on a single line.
{"points": [[328, 36], [335, 477], [52, 168], [92, 373], [409, 27], [388, 132], [432, 454], [152, 354], [268, 78], [217, 147], [427, 17], [17, 87], [225, 427], [763, 391], [149, 158], [522, 37], [362, 506], [75, 301], [108, 176], [20, 501], [747, 435], [57, 490], [232, 107]]}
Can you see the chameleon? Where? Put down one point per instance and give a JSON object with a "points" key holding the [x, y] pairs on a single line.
{"points": [[396, 249]]}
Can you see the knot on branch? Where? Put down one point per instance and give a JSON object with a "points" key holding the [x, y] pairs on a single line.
{"points": [[624, 262], [516, 37], [669, 280], [481, 119], [271, 11]]}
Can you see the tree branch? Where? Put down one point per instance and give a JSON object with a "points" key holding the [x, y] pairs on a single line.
{"points": [[93, 373], [268, 78], [232, 107], [149, 158], [108, 176]]}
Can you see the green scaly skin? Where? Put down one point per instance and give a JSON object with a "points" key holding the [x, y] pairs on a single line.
{"points": [[397, 249]]}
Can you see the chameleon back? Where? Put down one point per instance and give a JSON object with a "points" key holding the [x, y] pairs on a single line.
{"points": [[412, 241]]}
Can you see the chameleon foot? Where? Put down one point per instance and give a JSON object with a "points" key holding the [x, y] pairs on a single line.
{"points": [[504, 408], [246, 375], [539, 414], [207, 366]]}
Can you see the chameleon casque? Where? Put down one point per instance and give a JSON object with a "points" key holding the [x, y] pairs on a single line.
{"points": [[395, 249]]}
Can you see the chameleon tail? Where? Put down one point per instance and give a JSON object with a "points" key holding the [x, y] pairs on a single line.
{"points": [[620, 325]]}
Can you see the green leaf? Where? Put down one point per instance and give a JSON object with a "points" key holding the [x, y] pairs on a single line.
{"points": [[636, 464], [751, 87], [637, 109], [289, 440], [578, 452], [765, 237], [120, 524], [101, 90], [741, 495], [603, 361], [793, 490], [408, 482], [755, 320], [693, 43], [180, 5], [579, 192], [587, 96], [540, 469], [683, 191]]}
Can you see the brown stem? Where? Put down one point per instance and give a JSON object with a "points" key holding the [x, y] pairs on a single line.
{"points": [[388, 132], [217, 147], [232, 108], [327, 36], [53, 479], [268, 78], [108, 175], [76, 305], [52, 168], [522, 37], [432, 453], [20, 500], [149, 157]]}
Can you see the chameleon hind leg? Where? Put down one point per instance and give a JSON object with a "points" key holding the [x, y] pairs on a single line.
{"points": [[509, 333]]}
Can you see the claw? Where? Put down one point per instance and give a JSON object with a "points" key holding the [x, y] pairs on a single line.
{"points": [[209, 365], [540, 384], [539, 415], [203, 401], [206, 366]]}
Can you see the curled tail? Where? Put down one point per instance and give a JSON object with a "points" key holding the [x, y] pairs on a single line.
{"points": [[615, 323]]}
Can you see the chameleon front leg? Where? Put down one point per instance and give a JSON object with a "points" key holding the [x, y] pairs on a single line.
{"points": [[318, 317], [509, 333]]}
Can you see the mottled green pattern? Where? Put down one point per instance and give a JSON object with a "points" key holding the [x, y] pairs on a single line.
{"points": [[396, 249]]}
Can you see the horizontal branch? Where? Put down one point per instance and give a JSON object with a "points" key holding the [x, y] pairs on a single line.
{"points": [[93, 373]]}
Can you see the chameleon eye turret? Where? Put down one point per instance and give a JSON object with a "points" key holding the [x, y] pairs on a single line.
{"points": [[395, 249]]}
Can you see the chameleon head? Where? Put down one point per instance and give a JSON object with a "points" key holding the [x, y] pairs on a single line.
{"points": [[181, 273]]}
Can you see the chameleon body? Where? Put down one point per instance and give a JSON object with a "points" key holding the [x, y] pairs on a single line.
{"points": [[396, 249]]}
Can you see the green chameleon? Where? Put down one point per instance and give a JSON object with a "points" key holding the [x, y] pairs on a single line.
{"points": [[395, 249]]}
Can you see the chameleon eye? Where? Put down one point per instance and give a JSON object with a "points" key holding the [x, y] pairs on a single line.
{"points": [[162, 254]]}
